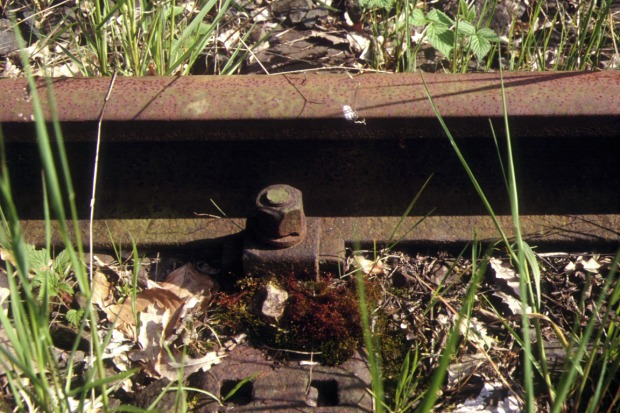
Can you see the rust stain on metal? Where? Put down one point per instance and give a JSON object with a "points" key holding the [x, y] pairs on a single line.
{"points": [[302, 257], [159, 233], [373, 96]]}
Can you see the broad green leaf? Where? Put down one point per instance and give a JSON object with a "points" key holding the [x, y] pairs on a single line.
{"points": [[479, 45], [203, 28], [74, 316], [376, 4], [466, 28], [441, 38], [177, 11], [487, 33], [417, 18], [439, 18]]}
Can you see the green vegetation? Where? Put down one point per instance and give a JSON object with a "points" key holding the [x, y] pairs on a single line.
{"points": [[586, 382], [138, 38], [146, 38], [164, 38], [36, 379], [459, 40]]}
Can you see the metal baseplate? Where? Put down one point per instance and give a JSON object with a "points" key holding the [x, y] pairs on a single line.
{"points": [[301, 386]]}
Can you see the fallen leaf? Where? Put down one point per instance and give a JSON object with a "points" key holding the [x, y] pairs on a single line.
{"points": [[514, 305], [506, 275], [367, 266], [187, 282], [590, 265], [162, 309], [5, 255], [101, 290], [333, 39], [358, 43], [475, 331], [5, 292]]}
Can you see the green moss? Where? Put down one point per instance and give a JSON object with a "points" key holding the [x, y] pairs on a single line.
{"points": [[319, 317]]}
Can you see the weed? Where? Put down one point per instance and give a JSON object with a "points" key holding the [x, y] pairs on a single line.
{"points": [[529, 271], [394, 24]]}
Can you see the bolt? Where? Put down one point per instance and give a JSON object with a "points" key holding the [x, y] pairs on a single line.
{"points": [[280, 219], [277, 196]]}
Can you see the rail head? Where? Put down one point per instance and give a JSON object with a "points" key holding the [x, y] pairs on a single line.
{"points": [[344, 98]]}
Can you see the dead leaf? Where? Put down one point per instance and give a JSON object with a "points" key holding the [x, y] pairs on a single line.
{"points": [[590, 265], [187, 282], [475, 331], [5, 292], [101, 290], [333, 39], [5, 255], [506, 276], [358, 43], [514, 305], [367, 266], [162, 310]]}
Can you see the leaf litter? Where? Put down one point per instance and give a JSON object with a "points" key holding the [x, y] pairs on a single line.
{"points": [[158, 317], [163, 327]]}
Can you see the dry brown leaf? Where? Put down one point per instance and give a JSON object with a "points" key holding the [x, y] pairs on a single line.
{"points": [[101, 290], [333, 39], [505, 274], [157, 299], [5, 255], [187, 282], [161, 308], [368, 267]]}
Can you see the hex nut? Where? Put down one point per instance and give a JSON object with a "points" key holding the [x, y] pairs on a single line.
{"points": [[280, 218]]}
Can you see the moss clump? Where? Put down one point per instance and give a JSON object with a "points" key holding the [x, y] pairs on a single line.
{"points": [[322, 318]]}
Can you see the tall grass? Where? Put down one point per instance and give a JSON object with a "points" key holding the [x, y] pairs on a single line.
{"points": [[562, 41], [141, 38], [37, 380], [529, 272], [590, 374]]}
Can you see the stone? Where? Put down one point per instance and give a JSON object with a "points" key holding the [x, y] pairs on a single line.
{"points": [[275, 302], [8, 42]]}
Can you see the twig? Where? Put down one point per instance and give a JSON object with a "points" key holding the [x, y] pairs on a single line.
{"points": [[92, 202], [92, 199]]}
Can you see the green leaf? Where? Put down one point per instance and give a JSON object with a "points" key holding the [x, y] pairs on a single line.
{"points": [[488, 34], [177, 11], [441, 38], [466, 28], [39, 259], [479, 45], [468, 12], [416, 18], [75, 316], [439, 18], [376, 4]]}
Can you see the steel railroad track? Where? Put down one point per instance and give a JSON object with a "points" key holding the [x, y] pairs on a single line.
{"points": [[313, 163], [357, 147]]}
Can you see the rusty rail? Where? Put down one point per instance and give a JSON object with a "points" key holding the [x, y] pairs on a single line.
{"points": [[358, 147]]}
